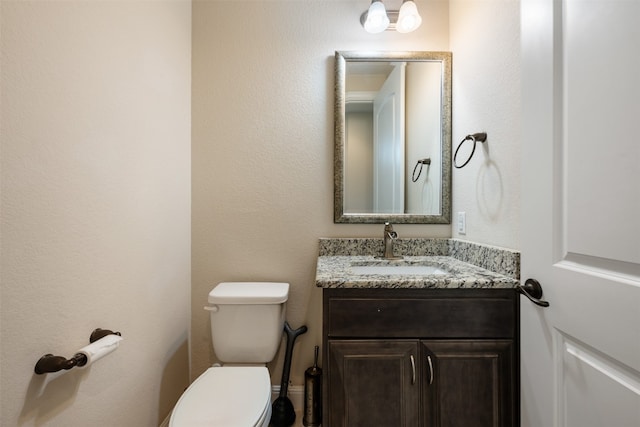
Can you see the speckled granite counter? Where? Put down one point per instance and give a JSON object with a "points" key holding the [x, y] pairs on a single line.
{"points": [[467, 264]]}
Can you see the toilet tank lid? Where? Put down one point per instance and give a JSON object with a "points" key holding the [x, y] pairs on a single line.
{"points": [[249, 293]]}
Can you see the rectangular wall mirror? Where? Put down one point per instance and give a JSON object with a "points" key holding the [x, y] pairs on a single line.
{"points": [[392, 158]]}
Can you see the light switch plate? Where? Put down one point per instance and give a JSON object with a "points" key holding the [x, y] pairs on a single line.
{"points": [[462, 223]]}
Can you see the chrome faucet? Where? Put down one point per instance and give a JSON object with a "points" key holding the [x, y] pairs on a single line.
{"points": [[389, 237]]}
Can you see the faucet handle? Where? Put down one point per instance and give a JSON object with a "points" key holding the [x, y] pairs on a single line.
{"points": [[388, 230]]}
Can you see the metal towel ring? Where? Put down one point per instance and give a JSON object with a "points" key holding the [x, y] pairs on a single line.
{"points": [[421, 162], [480, 136]]}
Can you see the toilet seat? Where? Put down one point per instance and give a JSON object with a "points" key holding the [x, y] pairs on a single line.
{"points": [[227, 396]]}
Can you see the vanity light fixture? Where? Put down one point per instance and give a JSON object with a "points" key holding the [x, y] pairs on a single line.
{"points": [[408, 17], [377, 19]]}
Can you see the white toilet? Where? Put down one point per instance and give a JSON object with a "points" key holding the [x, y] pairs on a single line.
{"points": [[247, 321]]}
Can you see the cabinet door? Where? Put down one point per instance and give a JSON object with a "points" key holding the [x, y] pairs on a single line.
{"points": [[468, 383], [373, 383]]}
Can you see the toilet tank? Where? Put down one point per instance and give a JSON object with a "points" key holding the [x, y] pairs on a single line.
{"points": [[247, 320]]}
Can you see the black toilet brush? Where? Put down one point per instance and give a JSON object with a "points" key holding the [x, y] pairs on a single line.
{"points": [[282, 412]]}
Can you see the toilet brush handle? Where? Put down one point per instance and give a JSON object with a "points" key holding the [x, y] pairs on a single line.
{"points": [[291, 337]]}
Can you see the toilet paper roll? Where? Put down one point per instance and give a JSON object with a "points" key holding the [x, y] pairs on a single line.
{"points": [[100, 348]]}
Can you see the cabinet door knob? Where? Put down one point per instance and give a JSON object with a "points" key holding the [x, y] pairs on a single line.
{"points": [[413, 369], [430, 370]]}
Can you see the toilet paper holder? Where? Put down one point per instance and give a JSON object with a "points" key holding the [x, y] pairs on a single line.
{"points": [[50, 363]]}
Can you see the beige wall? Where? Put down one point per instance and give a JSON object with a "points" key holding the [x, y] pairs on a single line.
{"points": [[485, 40], [95, 176], [263, 148], [95, 208]]}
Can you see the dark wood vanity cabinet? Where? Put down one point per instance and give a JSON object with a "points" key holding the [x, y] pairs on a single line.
{"points": [[432, 358], [471, 383], [372, 383]]}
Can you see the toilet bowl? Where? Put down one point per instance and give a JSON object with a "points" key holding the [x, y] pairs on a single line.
{"points": [[226, 396], [247, 321]]}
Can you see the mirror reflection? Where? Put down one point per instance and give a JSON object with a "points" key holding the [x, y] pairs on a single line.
{"points": [[393, 137]]}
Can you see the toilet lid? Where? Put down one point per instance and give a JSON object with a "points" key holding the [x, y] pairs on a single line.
{"points": [[227, 396]]}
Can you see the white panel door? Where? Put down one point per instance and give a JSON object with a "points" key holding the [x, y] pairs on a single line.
{"points": [[580, 363], [388, 144]]}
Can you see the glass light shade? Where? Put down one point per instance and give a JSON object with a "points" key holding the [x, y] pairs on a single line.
{"points": [[377, 20], [408, 18]]}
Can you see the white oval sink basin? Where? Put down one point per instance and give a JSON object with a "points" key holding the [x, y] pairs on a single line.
{"points": [[404, 270]]}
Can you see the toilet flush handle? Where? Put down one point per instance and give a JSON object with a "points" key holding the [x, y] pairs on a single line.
{"points": [[213, 308]]}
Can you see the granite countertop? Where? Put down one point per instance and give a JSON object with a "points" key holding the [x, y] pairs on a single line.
{"points": [[335, 271]]}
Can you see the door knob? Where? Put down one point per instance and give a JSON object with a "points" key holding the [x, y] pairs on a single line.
{"points": [[533, 290]]}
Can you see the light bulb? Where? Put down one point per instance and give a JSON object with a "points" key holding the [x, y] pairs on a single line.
{"points": [[377, 20], [408, 18]]}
